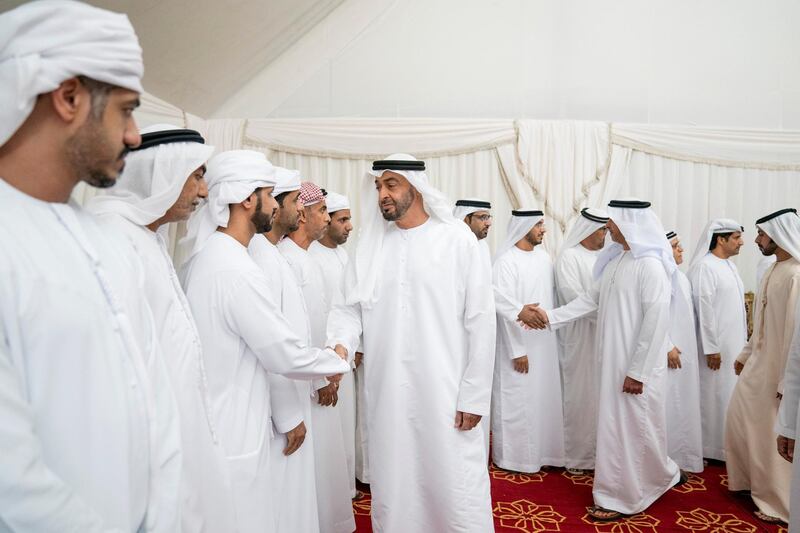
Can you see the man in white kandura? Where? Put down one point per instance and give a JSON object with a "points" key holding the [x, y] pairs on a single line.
{"points": [[718, 296], [331, 258], [632, 304], [684, 436], [90, 435], [580, 366], [243, 332], [787, 424], [527, 421], [416, 287], [293, 478], [477, 215], [334, 499], [753, 463], [162, 183]]}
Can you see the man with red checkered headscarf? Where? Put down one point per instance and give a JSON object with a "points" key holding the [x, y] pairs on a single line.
{"points": [[330, 459]]}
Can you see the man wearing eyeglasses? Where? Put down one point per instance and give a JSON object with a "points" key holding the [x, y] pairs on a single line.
{"points": [[476, 214]]}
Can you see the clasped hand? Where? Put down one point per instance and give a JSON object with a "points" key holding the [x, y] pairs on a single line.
{"points": [[341, 351], [533, 317]]}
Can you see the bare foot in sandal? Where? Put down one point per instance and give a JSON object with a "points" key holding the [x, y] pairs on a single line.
{"points": [[603, 515]]}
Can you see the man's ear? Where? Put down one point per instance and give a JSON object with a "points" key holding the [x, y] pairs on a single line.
{"points": [[70, 100], [303, 215], [250, 202]]}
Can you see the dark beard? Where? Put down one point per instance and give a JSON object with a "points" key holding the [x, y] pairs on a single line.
{"points": [[533, 240], [86, 151], [262, 221], [400, 207], [769, 249]]}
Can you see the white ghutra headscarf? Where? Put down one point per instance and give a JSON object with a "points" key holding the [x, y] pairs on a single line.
{"points": [[520, 223], [153, 176], [718, 225], [591, 220], [232, 177], [361, 281], [643, 232], [467, 206], [783, 227], [47, 42]]}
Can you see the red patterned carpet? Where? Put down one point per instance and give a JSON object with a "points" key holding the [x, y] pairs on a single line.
{"points": [[551, 500]]}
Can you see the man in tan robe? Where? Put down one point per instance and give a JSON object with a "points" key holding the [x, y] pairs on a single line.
{"points": [[752, 459]]}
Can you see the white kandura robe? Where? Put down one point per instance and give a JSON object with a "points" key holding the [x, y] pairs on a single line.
{"points": [[244, 337], [427, 347], [361, 436], [632, 468], [527, 419], [203, 460], [334, 497], [332, 262], [486, 256], [753, 462], [293, 480], [684, 435], [789, 418], [89, 432], [718, 296], [580, 363]]}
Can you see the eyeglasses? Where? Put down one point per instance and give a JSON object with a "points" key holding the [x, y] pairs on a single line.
{"points": [[483, 218]]}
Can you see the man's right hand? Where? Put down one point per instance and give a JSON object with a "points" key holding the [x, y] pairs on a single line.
{"points": [[533, 316], [341, 351], [674, 358], [295, 438], [713, 361], [786, 448], [521, 364], [632, 386], [738, 367]]}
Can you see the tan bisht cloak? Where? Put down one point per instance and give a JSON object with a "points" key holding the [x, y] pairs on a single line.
{"points": [[752, 457]]}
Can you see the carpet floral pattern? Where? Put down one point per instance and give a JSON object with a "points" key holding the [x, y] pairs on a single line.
{"points": [[553, 500]]}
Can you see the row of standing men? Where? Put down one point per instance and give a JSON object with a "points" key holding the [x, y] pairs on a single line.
{"points": [[549, 389], [133, 400]]}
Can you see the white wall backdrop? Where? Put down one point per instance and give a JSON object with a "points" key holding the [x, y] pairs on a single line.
{"points": [[710, 62]]}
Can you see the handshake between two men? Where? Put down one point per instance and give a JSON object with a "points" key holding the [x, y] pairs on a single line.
{"points": [[534, 317]]}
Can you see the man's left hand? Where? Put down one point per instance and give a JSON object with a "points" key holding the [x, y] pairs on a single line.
{"points": [[328, 395], [466, 421]]}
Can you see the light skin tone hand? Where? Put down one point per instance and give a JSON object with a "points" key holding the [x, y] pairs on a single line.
{"points": [[674, 358], [466, 421], [714, 361], [294, 439], [359, 358], [631, 386], [341, 351], [521, 364], [328, 395], [738, 367], [786, 448], [533, 317]]}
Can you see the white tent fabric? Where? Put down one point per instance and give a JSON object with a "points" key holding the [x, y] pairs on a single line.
{"points": [[690, 174], [760, 149]]}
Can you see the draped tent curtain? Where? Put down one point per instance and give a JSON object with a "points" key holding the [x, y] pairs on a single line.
{"points": [[690, 174]]}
